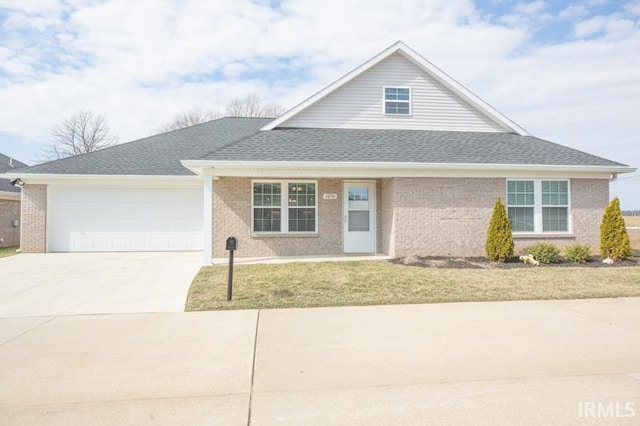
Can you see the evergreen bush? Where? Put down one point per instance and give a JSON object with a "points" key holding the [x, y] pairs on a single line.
{"points": [[577, 253], [499, 245], [543, 252], [614, 240]]}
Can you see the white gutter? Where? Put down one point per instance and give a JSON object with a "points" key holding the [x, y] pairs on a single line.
{"points": [[220, 167], [44, 178], [6, 195]]}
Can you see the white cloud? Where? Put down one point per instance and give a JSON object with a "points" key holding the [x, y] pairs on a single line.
{"points": [[531, 8], [633, 7], [140, 65], [573, 11], [590, 27], [41, 7]]}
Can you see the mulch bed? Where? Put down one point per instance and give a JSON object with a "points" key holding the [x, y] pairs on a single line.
{"points": [[512, 263]]}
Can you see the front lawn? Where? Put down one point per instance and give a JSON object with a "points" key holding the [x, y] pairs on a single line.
{"points": [[297, 285], [8, 251]]}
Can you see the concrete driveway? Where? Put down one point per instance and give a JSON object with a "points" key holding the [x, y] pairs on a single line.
{"points": [[91, 283], [500, 363]]}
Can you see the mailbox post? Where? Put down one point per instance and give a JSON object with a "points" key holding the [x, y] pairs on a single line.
{"points": [[232, 245]]}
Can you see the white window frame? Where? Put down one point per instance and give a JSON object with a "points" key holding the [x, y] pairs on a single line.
{"points": [[537, 206], [284, 207], [384, 101]]}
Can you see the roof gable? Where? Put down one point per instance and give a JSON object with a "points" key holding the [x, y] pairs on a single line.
{"points": [[356, 99]]}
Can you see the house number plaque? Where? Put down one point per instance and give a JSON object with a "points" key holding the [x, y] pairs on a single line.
{"points": [[329, 196]]}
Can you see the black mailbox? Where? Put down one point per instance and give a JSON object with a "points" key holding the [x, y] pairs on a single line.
{"points": [[232, 243]]}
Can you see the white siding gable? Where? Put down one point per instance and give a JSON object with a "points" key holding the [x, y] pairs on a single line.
{"points": [[359, 103]]}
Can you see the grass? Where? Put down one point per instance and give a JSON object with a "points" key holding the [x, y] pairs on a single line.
{"points": [[298, 285], [8, 251]]}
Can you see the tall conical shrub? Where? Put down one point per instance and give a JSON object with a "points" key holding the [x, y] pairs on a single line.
{"points": [[614, 240], [499, 246]]}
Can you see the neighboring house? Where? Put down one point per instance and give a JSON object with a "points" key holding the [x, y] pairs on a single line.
{"points": [[9, 204], [395, 157]]}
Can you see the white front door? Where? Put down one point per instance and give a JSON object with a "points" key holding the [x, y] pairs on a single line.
{"points": [[359, 211]]}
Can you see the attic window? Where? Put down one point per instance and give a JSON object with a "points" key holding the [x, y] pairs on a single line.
{"points": [[397, 101]]}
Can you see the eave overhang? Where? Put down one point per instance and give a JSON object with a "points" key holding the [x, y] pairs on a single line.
{"points": [[13, 196], [388, 169], [110, 180]]}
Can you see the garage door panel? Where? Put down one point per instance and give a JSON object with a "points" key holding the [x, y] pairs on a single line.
{"points": [[125, 219]]}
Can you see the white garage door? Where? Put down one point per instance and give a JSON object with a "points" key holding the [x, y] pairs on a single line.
{"points": [[124, 219]]}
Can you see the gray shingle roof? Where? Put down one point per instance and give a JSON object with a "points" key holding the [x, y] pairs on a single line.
{"points": [[239, 139], [158, 154], [8, 164], [412, 146]]}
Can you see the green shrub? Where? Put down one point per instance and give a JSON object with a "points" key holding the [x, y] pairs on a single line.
{"points": [[577, 253], [614, 241], [499, 246], [543, 252]]}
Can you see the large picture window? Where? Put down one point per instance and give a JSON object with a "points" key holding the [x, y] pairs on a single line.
{"points": [[538, 206], [285, 207]]}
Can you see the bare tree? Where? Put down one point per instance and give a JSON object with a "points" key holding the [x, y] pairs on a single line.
{"points": [[253, 106], [84, 131], [248, 106], [190, 118]]}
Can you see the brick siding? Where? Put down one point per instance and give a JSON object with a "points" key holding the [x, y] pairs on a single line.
{"points": [[34, 219], [9, 234], [415, 216], [386, 224], [589, 198], [441, 216], [232, 217]]}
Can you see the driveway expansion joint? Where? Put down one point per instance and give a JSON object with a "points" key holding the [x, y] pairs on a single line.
{"points": [[28, 331], [253, 367]]}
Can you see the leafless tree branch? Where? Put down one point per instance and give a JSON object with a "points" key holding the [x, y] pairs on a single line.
{"points": [[190, 118], [85, 131], [248, 106], [253, 106]]}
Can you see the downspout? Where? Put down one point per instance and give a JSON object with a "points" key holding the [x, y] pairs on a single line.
{"points": [[613, 178]]}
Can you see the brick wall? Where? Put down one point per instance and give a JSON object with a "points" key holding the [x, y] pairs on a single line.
{"points": [[232, 217], [421, 216], [589, 198], [34, 219], [386, 224], [442, 216], [449, 216], [9, 211]]}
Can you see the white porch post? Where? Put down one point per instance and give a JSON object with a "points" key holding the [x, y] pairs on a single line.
{"points": [[207, 226]]}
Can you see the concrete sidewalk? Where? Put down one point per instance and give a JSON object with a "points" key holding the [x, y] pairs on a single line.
{"points": [[550, 362]]}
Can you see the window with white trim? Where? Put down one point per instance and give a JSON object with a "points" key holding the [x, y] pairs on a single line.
{"points": [[397, 100], [294, 211], [538, 206]]}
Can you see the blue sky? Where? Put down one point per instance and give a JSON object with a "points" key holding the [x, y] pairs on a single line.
{"points": [[565, 71]]}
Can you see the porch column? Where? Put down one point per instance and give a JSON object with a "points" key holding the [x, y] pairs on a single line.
{"points": [[207, 225]]}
